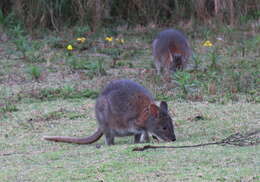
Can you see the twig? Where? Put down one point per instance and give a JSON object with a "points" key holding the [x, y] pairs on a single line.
{"points": [[236, 139], [173, 147]]}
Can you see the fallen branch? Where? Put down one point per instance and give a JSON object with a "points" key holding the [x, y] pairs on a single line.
{"points": [[236, 139]]}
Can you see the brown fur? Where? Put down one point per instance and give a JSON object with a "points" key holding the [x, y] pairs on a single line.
{"points": [[126, 108], [171, 51]]}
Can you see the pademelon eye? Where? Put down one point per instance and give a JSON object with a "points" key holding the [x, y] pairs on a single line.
{"points": [[164, 128]]}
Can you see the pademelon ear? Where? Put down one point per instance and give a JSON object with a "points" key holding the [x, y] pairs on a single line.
{"points": [[164, 106], [154, 110]]}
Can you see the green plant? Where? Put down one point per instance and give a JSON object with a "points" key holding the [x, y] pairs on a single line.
{"points": [[163, 97], [236, 79], [61, 113], [89, 93], [34, 71], [95, 67], [214, 59], [54, 93], [250, 16], [8, 107], [80, 31], [56, 42], [66, 92], [29, 49], [9, 20], [100, 67], [113, 52], [117, 64], [20, 40], [2, 18], [76, 63], [186, 83], [251, 45], [197, 61]]}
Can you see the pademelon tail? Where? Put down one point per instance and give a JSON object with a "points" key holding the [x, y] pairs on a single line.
{"points": [[85, 140]]}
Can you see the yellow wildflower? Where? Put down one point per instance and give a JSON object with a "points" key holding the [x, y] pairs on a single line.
{"points": [[109, 39], [81, 39], [207, 44], [69, 47]]}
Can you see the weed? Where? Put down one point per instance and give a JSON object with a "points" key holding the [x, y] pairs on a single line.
{"points": [[2, 17], [123, 63], [68, 91], [130, 53], [56, 42], [197, 61], [65, 92], [80, 31], [8, 107], [58, 114], [236, 78], [186, 83], [163, 97], [54, 115], [113, 52], [100, 67], [29, 49], [75, 115], [214, 59], [257, 99], [52, 93], [76, 63], [157, 79], [95, 68], [35, 72], [20, 40]]}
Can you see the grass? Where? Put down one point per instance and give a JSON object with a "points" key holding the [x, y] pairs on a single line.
{"points": [[26, 157], [8, 107], [223, 89]]}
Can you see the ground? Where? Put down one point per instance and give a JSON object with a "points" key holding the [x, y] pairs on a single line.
{"points": [[48, 90]]}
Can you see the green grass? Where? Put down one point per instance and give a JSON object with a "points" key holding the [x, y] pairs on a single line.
{"points": [[223, 89], [26, 157]]}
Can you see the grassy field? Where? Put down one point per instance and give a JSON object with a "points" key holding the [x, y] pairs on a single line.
{"points": [[46, 89]]}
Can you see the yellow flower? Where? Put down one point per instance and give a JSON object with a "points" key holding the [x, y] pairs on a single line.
{"points": [[81, 39], [109, 39], [207, 44], [69, 47]]}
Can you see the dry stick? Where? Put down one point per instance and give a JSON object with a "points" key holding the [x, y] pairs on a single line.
{"points": [[233, 139], [174, 147]]}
